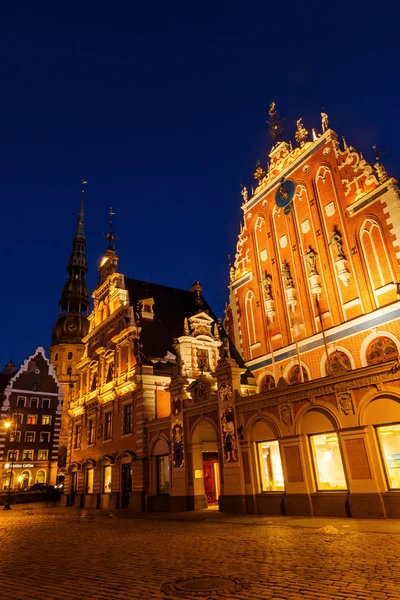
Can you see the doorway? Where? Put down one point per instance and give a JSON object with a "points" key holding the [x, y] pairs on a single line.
{"points": [[211, 477], [126, 477]]}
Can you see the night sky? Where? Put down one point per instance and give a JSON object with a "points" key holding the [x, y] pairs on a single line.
{"points": [[161, 107]]}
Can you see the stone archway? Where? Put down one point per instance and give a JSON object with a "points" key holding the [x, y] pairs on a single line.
{"points": [[205, 464]]}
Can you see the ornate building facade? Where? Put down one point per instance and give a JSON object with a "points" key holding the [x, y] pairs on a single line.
{"points": [[314, 310], [298, 411]]}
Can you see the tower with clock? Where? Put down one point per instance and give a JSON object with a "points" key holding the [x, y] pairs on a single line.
{"points": [[72, 324]]}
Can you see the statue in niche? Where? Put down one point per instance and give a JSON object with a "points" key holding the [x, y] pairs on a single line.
{"points": [[286, 274], [245, 195], [324, 123], [267, 286], [337, 243], [224, 350], [286, 415], [311, 259]]}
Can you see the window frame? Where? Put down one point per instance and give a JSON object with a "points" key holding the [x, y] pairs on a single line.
{"points": [[46, 400], [130, 431], [281, 491], [32, 417], [10, 453], [31, 452], [40, 451], [108, 423], [158, 473], [23, 398], [18, 437], [315, 463], [106, 491], [44, 433], [34, 400], [27, 433], [91, 431], [382, 454], [47, 417], [77, 436]]}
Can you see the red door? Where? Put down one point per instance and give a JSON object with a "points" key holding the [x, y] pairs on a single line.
{"points": [[210, 463]]}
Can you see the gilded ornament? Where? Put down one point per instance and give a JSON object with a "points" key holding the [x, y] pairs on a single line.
{"points": [[301, 133]]}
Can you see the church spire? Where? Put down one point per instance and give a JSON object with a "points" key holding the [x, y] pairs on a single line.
{"points": [[72, 323], [109, 262]]}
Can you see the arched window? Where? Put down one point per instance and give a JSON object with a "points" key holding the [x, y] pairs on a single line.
{"points": [[294, 375], [381, 349], [260, 234], [339, 363], [267, 383], [250, 321], [375, 254], [41, 476], [70, 355], [24, 480], [56, 356]]}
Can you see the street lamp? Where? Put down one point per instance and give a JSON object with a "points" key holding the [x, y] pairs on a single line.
{"points": [[11, 414]]}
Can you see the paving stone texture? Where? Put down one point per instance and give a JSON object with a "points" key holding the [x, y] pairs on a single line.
{"points": [[81, 556]]}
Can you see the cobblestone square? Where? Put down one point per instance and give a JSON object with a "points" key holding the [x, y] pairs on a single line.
{"points": [[59, 555]]}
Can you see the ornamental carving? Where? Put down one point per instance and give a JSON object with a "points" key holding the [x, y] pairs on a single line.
{"points": [[200, 390], [286, 414], [225, 391], [229, 435], [346, 403], [177, 444]]}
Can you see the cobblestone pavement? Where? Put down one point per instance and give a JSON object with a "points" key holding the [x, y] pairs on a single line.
{"points": [[79, 556]]}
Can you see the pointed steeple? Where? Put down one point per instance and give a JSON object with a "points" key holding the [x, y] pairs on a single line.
{"points": [[109, 261], [72, 323]]}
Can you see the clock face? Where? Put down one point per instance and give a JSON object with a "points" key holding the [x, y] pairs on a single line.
{"points": [[285, 192], [72, 327]]}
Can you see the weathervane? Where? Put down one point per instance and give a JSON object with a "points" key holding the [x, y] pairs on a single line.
{"points": [[275, 129], [110, 236]]}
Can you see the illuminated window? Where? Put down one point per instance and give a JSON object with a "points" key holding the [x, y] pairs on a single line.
{"points": [[24, 479], [202, 359], [12, 455], [91, 431], [294, 375], [43, 455], [27, 455], [44, 437], [41, 476], [46, 420], [30, 436], [108, 426], [77, 436], [270, 466], [15, 436], [107, 479], [163, 474], [89, 481], [268, 383], [381, 349], [328, 462], [31, 420], [389, 437]]}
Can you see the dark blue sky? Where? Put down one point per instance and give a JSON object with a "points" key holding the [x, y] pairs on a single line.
{"points": [[161, 107]]}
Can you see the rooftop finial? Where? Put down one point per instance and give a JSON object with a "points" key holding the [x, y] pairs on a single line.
{"points": [[275, 129], [80, 226], [380, 169], [110, 236]]}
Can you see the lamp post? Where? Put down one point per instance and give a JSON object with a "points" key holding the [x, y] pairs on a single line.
{"points": [[11, 414]]}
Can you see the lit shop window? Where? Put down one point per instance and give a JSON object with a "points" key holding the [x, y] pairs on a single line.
{"points": [[89, 481], [270, 466], [389, 437], [107, 480], [163, 474], [328, 462]]}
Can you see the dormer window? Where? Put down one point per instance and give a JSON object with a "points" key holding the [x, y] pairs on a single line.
{"points": [[147, 311]]}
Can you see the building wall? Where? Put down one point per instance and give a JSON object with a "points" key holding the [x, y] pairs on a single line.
{"points": [[35, 394]]}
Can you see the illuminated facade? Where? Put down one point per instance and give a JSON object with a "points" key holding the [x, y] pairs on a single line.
{"points": [[314, 310], [34, 394]]}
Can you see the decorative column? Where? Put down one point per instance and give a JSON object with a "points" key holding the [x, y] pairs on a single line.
{"points": [[179, 494], [144, 402], [232, 498]]}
